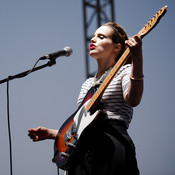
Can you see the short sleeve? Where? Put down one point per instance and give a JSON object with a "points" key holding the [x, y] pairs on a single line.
{"points": [[126, 79]]}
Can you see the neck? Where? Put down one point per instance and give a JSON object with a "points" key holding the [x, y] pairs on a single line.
{"points": [[102, 67]]}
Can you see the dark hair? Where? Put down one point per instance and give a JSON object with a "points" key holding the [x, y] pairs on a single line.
{"points": [[118, 35]]}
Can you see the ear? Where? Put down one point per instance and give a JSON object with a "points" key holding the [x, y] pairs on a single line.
{"points": [[117, 47]]}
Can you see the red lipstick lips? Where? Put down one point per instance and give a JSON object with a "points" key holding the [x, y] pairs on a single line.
{"points": [[92, 46]]}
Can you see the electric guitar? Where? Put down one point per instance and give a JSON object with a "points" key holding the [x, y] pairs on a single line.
{"points": [[87, 114]]}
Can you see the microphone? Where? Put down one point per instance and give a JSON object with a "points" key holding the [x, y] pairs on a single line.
{"points": [[67, 51]]}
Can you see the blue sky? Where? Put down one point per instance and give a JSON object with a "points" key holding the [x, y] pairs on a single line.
{"points": [[31, 29]]}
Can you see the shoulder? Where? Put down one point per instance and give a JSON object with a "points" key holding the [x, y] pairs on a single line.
{"points": [[84, 89], [125, 68], [86, 86], [88, 83], [124, 71]]}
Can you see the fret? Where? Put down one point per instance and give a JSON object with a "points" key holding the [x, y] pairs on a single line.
{"points": [[108, 79]]}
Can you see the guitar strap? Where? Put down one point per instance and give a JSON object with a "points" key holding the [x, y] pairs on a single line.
{"points": [[97, 85]]}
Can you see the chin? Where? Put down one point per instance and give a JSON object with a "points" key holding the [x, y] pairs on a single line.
{"points": [[92, 53], [93, 56]]}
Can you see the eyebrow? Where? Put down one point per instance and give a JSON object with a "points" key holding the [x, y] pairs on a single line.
{"points": [[100, 34]]}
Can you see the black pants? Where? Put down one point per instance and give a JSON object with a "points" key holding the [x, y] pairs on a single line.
{"points": [[108, 151]]}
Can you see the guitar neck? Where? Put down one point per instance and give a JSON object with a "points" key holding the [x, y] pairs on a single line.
{"points": [[108, 79]]}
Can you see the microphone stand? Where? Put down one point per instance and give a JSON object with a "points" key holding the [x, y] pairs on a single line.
{"points": [[23, 74], [20, 75]]}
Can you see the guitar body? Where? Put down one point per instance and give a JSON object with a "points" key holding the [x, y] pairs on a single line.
{"points": [[71, 130]]}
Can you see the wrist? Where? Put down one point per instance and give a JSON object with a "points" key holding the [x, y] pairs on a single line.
{"points": [[52, 134], [138, 78]]}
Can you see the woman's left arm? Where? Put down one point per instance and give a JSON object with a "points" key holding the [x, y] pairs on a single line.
{"points": [[135, 90]]}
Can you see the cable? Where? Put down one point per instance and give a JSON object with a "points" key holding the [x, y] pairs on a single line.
{"points": [[8, 119], [8, 113], [33, 67]]}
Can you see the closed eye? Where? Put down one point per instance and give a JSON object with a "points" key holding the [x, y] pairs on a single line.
{"points": [[102, 36]]}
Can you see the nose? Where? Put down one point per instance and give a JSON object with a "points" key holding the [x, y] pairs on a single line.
{"points": [[93, 39]]}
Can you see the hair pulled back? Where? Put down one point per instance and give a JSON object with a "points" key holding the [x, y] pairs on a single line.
{"points": [[118, 35]]}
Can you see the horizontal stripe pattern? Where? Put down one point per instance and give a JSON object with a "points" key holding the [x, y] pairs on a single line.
{"points": [[114, 103]]}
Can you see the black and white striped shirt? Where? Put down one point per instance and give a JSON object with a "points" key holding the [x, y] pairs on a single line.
{"points": [[114, 103]]}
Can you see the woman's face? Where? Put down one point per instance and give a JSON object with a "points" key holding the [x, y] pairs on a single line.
{"points": [[102, 46]]}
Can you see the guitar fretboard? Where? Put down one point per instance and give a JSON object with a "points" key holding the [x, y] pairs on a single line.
{"points": [[108, 79]]}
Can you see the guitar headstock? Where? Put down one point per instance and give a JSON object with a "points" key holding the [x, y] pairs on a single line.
{"points": [[152, 22]]}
